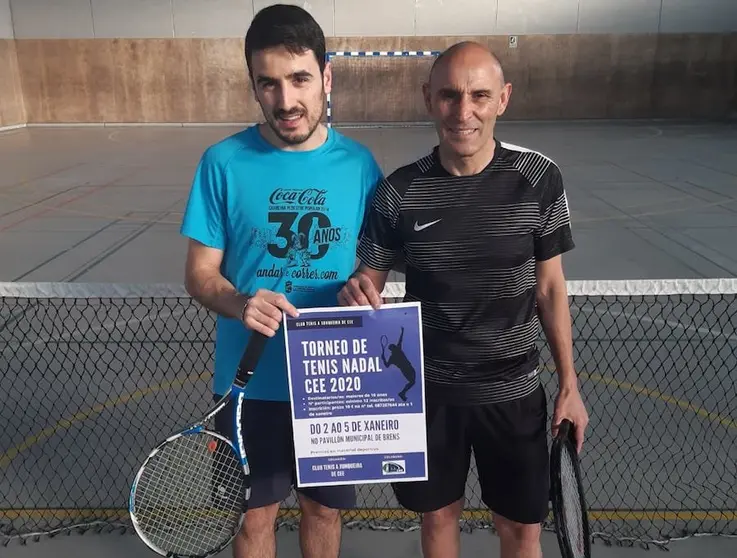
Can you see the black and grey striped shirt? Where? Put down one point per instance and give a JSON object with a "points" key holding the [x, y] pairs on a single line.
{"points": [[470, 244]]}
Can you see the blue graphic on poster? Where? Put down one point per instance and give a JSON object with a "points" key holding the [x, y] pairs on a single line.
{"points": [[357, 394]]}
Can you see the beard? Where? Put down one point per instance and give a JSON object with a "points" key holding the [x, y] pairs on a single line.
{"points": [[297, 136]]}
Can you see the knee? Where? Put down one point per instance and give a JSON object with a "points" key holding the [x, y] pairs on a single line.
{"points": [[443, 518], [260, 521], [317, 512], [518, 534]]}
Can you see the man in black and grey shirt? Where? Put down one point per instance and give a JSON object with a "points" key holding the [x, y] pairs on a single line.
{"points": [[481, 226]]}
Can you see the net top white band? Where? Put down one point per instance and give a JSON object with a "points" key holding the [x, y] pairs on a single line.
{"points": [[630, 287], [637, 287]]}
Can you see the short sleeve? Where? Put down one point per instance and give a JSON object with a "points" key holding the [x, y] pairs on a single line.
{"points": [[380, 242], [373, 175], [553, 235], [205, 213]]}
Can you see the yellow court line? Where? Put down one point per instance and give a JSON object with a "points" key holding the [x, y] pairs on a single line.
{"points": [[82, 415], [65, 423], [385, 514], [655, 394]]}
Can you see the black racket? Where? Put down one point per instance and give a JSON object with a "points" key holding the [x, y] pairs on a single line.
{"points": [[189, 496], [569, 503]]}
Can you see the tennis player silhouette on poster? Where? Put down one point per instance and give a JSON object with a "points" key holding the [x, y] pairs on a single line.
{"points": [[400, 360]]}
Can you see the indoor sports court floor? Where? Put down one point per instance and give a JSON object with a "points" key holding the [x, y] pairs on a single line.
{"points": [[649, 200]]}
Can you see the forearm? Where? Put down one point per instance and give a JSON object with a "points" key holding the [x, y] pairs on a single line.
{"points": [[215, 293], [378, 278], [555, 318]]}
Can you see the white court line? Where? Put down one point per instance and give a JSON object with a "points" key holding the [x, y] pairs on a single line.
{"points": [[660, 321]]}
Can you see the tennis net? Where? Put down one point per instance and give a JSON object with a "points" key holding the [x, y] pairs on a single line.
{"points": [[93, 375]]}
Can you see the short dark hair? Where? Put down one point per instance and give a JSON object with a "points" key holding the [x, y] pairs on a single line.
{"points": [[285, 25]]}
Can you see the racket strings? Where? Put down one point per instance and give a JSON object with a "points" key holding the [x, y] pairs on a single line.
{"points": [[191, 495], [572, 504], [186, 503]]}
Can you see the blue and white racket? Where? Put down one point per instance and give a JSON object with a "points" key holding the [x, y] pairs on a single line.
{"points": [[189, 496]]}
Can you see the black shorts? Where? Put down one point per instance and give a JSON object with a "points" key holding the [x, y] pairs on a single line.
{"points": [[510, 445], [268, 437]]}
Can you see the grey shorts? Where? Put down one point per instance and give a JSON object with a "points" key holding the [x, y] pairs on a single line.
{"points": [[268, 437]]}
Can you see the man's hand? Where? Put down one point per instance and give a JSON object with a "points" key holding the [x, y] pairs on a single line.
{"points": [[206, 284], [263, 312], [569, 405], [360, 290]]}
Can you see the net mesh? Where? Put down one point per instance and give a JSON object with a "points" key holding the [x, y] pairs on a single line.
{"points": [[93, 376]]}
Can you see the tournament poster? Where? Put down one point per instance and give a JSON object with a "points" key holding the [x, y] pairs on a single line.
{"points": [[357, 394]]}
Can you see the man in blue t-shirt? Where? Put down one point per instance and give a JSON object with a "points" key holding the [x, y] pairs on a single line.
{"points": [[273, 219]]}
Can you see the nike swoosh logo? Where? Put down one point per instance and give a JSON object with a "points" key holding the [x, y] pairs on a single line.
{"points": [[419, 227]]}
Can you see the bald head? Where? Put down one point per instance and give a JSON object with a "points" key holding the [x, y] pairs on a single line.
{"points": [[468, 54], [465, 94]]}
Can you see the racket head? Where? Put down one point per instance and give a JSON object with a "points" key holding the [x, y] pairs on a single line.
{"points": [[570, 512], [190, 495]]}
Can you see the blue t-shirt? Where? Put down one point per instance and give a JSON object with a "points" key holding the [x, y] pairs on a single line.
{"points": [[287, 221]]}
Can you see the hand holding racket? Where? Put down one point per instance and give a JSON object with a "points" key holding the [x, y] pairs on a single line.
{"points": [[263, 312], [569, 502], [190, 494], [569, 405]]}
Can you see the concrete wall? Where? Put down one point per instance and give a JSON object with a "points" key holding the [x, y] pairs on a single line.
{"points": [[11, 95], [182, 60]]}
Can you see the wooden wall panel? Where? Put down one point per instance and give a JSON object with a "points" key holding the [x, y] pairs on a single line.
{"points": [[11, 94], [694, 75], [66, 80], [205, 80], [135, 80]]}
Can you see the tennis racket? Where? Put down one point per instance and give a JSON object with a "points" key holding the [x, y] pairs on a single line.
{"points": [[189, 496], [569, 502], [384, 341]]}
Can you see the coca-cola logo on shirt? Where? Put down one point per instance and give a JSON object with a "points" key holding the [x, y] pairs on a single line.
{"points": [[308, 196]]}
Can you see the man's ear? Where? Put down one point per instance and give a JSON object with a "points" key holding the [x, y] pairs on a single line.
{"points": [[327, 77], [504, 99]]}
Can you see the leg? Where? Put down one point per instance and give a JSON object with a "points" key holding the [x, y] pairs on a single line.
{"points": [[270, 460], [410, 377], [319, 529], [510, 445], [440, 534], [257, 538], [440, 498], [320, 525], [518, 540]]}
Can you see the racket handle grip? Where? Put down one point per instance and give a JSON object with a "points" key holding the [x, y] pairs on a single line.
{"points": [[565, 429], [250, 357]]}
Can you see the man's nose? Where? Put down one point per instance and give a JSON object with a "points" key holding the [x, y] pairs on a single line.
{"points": [[464, 108], [286, 99]]}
